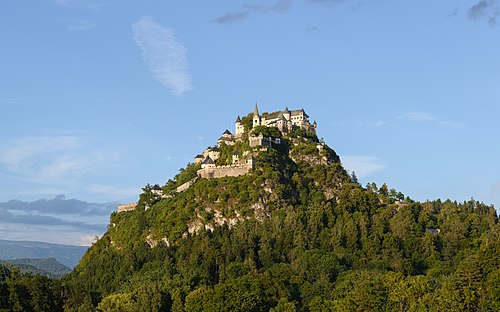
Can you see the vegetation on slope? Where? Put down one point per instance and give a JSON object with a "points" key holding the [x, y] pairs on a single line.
{"points": [[49, 267], [27, 292], [296, 234]]}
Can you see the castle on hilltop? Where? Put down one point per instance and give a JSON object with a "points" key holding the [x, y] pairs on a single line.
{"points": [[285, 121]]}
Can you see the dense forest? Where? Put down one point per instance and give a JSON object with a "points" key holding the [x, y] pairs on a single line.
{"points": [[27, 292], [49, 267], [296, 234]]}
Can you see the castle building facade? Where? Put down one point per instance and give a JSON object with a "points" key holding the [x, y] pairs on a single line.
{"points": [[286, 120]]}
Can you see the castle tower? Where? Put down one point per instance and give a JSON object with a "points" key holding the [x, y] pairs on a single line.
{"points": [[288, 119], [286, 114], [256, 117], [281, 123], [238, 127]]}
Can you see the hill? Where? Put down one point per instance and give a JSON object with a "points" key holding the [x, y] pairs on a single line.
{"points": [[295, 233], [67, 255], [48, 267]]}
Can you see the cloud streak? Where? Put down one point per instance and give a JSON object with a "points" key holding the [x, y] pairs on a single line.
{"points": [[23, 151], [58, 206], [164, 55], [363, 165], [43, 220], [485, 9], [231, 17], [421, 117], [280, 6], [47, 160], [326, 1], [113, 190], [46, 219], [495, 190], [79, 25], [94, 5], [52, 164]]}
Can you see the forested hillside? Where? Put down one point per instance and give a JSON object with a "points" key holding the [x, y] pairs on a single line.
{"points": [[28, 292], [49, 267], [296, 234]]}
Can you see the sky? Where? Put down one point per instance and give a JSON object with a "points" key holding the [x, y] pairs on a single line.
{"points": [[100, 97]]}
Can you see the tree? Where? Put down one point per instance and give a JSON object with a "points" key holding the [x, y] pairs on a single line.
{"points": [[383, 190], [354, 178]]}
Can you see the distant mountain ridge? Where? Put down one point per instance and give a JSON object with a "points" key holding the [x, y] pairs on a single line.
{"points": [[67, 255], [49, 267]]}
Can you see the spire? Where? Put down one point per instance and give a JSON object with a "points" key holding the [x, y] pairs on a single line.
{"points": [[238, 119], [286, 110], [256, 110]]}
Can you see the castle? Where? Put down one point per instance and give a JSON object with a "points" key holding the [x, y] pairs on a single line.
{"points": [[285, 121]]}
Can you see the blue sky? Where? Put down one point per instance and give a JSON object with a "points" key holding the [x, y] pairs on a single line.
{"points": [[100, 97]]}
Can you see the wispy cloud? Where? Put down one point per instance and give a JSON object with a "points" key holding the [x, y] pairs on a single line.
{"points": [[93, 5], [164, 55], [88, 240], [10, 100], [363, 165], [430, 118], [280, 6], [79, 25], [59, 206], [452, 13], [46, 219], [112, 190], [52, 162], [24, 151], [353, 4], [485, 9], [495, 190], [327, 1], [231, 17], [361, 124], [376, 124]]}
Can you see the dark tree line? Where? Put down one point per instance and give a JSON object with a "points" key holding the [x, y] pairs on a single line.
{"points": [[27, 292]]}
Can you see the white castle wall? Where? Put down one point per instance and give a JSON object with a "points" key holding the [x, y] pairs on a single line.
{"points": [[225, 171]]}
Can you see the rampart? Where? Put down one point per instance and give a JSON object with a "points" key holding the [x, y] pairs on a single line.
{"points": [[185, 186], [224, 171], [127, 207]]}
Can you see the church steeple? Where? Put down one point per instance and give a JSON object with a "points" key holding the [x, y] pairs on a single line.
{"points": [[256, 117], [256, 110]]}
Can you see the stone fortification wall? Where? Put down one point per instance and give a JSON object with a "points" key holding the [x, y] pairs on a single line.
{"points": [[259, 141], [185, 186], [225, 171], [127, 207]]}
